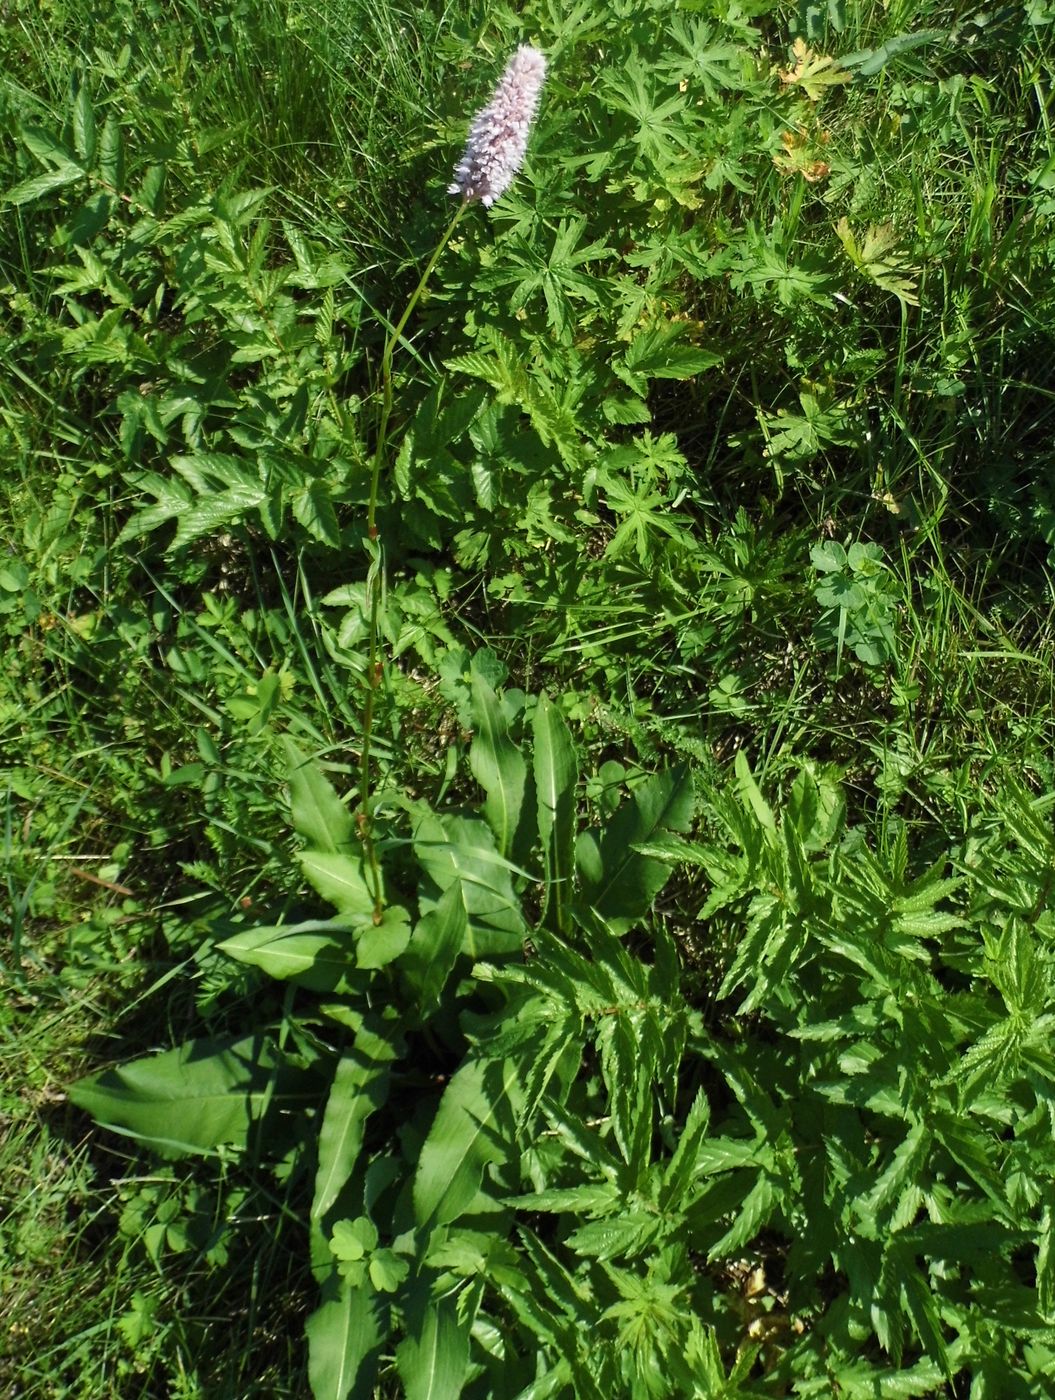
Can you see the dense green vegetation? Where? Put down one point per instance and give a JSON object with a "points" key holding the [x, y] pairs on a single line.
{"points": [[663, 1006]]}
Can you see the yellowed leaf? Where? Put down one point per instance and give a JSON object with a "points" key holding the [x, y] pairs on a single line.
{"points": [[813, 72]]}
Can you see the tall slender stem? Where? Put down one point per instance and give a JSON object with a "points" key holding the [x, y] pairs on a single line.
{"points": [[375, 574]]}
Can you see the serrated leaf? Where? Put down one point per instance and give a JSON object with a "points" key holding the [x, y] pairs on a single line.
{"points": [[84, 125], [685, 1163], [46, 146], [901, 1169], [753, 1214], [221, 508], [38, 185], [921, 1307], [751, 794], [624, 1235], [112, 155], [1046, 1264], [313, 508]]}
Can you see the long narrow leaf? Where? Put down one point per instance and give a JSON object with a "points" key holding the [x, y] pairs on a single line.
{"points": [[556, 774]]}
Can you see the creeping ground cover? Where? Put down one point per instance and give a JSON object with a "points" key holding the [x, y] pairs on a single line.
{"points": [[527, 593]]}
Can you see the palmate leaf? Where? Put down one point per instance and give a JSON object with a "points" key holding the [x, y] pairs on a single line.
{"points": [[557, 277], [203, 1094], [877, 258], [659, 126], [645, 518], [699, 57], [813, 72]]}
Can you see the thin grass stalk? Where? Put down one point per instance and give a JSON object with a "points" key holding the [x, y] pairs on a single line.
{"points": [[375, 577]]}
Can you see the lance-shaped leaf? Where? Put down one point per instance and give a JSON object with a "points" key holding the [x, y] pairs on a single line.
{"points": [[460, 851], [556, 774], [473, 1126], [620, 882], [344, 1333], [193, 1098], [438, 938], [360, 1086], [318, 813], [319, 955], [497, 764], [434, 1357], [340, 878]]}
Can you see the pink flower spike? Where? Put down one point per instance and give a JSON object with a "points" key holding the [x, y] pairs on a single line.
{"points": [[499, 133]]}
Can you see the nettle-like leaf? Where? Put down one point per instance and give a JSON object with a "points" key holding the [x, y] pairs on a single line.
{"points": [[503, 369], [221, 491]]}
